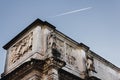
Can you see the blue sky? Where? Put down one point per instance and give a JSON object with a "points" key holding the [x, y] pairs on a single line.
{"points": [[97, 27]]}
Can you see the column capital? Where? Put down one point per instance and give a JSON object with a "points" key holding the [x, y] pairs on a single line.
{"points": [[53, 62], [51, 67]]}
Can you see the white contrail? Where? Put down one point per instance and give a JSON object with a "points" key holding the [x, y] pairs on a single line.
{"points": [[70, 12]]}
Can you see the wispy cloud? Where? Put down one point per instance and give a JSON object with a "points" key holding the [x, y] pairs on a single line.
{"points": [[70, 12]]}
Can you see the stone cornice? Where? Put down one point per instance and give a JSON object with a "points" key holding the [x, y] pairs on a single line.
{"points": [[23, 69], [64, 75], [93, 78], [86, 48]]}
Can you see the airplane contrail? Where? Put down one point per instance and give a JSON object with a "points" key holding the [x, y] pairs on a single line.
{"points": [[70, 12]]}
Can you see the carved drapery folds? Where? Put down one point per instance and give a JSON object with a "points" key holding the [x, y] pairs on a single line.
{"points": [[21, 47]]}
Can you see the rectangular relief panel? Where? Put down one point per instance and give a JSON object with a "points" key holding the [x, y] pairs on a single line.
{"points": [[20, 48], [19, 51]]}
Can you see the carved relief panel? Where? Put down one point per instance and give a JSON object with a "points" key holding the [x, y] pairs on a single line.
{"points": [[20, 48], [70, 55], [66, 51]]}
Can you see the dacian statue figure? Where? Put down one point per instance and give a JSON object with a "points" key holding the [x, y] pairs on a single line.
{"points": [[90, 64]]}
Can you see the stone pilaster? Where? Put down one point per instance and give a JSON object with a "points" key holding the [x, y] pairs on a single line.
{"points": [[51, 67]]}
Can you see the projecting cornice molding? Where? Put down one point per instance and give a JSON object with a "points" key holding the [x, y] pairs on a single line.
{"points": [[24, 69]]}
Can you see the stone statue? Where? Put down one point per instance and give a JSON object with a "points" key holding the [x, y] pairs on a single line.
{"points": [[51, 40], [53, 48], [90, 64]]}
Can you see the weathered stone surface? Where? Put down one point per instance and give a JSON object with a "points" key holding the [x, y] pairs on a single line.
{"points": [[40, 52]]}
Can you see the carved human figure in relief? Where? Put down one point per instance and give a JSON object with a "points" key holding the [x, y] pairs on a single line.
{"points": [[14, 55], [26, 45], [23, 48], [71, 60], [70, 55]]}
